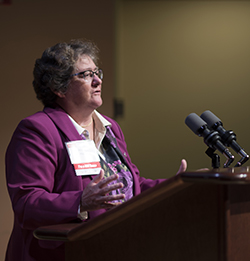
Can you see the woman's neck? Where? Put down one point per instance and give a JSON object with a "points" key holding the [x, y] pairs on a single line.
{"points": [[82, 115], [91, 129]]}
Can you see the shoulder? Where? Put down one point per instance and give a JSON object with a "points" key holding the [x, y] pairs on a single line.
{"points": [[38, 117], [49, 118], [35, 133], [39, 120], [35, 126]]}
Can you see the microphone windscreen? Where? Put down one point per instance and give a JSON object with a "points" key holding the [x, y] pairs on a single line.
{"points": [[194, 122], [210, 118]]}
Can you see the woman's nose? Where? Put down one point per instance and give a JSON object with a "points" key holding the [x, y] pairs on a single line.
{"points": [[96, 80]]}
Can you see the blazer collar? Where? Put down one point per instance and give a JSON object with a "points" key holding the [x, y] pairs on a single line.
{"points": [[62, 121]]}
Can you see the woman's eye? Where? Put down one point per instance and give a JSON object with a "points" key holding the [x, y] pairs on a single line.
{"points": [[87, 74]]}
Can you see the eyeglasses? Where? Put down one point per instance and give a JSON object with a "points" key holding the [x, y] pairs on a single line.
{"points": [[88, 75]]}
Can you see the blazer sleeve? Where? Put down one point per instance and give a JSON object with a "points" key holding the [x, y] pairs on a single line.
{"points": [[33, 172]]}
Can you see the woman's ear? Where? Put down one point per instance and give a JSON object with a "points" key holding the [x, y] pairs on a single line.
{"points": [[59, 94]]}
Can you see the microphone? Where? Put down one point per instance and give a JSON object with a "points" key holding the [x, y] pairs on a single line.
{"points": [[228, 137], [211, 137]]}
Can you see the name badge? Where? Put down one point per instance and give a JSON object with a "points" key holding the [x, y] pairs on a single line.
{"points": [[83, 155]]}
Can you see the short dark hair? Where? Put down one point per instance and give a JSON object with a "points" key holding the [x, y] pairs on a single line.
{"points": [[52, 71]]}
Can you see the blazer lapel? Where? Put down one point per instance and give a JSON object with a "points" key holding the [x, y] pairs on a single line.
{"points": [[110, 139], [62, 122]]}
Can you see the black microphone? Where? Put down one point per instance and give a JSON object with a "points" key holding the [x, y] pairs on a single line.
{"points": [[211, 137], [228, 137]]}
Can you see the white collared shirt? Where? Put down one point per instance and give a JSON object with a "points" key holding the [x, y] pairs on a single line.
{"points": [[100, 127]]}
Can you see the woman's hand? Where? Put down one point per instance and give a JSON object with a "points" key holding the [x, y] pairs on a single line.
{"points": [[96, 194], [183, 166]]}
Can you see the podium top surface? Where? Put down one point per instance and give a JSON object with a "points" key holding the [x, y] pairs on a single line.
{"points": [[237, 175]]}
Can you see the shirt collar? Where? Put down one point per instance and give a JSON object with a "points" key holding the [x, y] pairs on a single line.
{"points": [[100, 121], [100, 127]]}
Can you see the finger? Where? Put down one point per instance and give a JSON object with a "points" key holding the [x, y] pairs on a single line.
{"points": [[203, 169], [103, 183], [109, 198], [99, 177], [108, 205], [183, 166], [110, 188]]}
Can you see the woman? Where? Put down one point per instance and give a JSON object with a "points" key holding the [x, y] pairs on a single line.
{"points": [[46, 187]]}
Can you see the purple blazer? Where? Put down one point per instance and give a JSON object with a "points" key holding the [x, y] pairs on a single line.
{"points": [[42, 184]]}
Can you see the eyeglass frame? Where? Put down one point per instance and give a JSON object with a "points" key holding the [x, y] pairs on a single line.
{"points": [[93, 73]]}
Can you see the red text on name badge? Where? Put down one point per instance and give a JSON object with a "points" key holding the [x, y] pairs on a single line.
{"points": [[89, 165]]}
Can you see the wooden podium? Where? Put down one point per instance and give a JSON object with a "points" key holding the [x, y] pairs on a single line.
{"points": [[195, 216]]}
